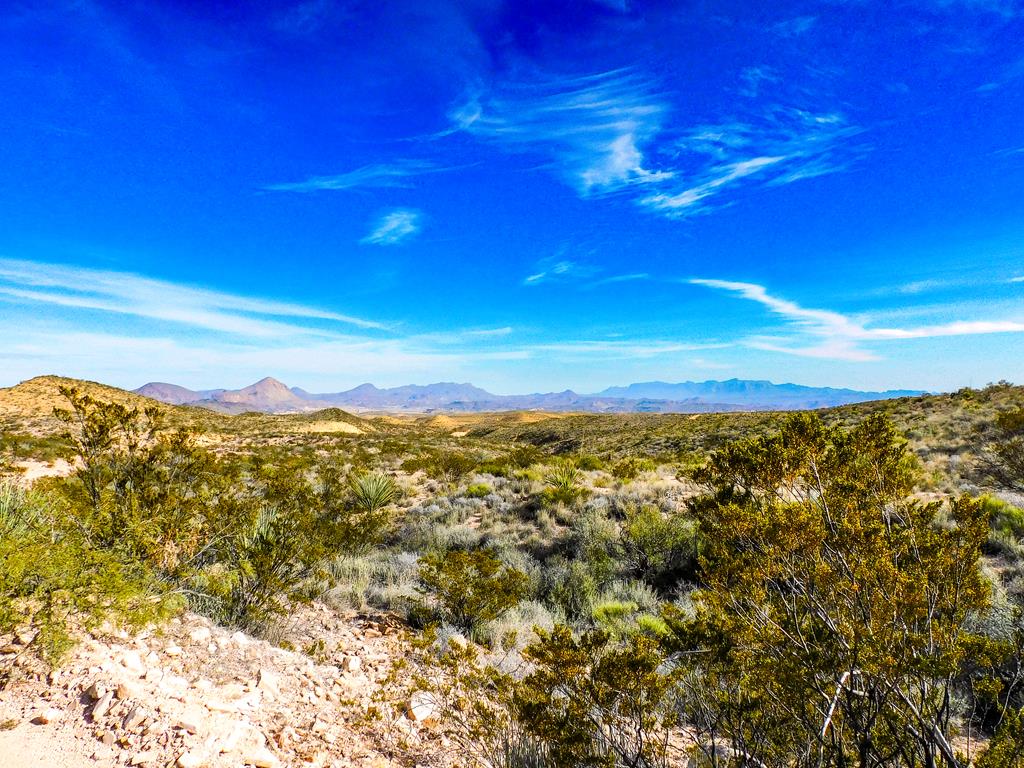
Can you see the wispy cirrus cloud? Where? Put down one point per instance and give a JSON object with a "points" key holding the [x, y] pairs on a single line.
{"points": [[395, 227], [71, 287], [560, 270], [794, 27], [125, 328], [781, 146], [592, 128], [583, 275], [610, 133], [377, 175], [831, 335]]}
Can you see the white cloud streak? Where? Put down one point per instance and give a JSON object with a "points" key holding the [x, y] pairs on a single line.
{"points": [[388, 175], [592, 127], [600, 132], [128, 294], [782, 146], [830, 335], [395, 227]]}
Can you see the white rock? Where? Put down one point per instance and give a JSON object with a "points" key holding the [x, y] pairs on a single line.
{"points": [[191, 759], [134, 719], [269, 684], [199, 634], [261, 758], [191, 719], [103, 705], [422, 708], [173, 650], [240, 639], [50, 715], [351, 663], [143, 758], [132, 661], [241, 737]]}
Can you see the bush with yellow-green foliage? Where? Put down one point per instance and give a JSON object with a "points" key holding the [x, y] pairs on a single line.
{"points": [[469, 589], [836, 621], [631, 467], [54, 580], [1002, 459], [242, 546]]}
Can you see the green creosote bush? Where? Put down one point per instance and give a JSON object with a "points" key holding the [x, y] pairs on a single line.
{"points": [[478, 491], [631, 468], [1006, 749], [524, 456], [469, 589], [658, 548], [1002, 459], [446, 466], [241, 547], [588, 462], [54, 580]]}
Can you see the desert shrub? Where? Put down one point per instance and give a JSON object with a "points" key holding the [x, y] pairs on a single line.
{"points": [[571, 588], [524, 456], [631, 468], [1006, 749], [515, 628], [620, 606], [469, 589], [372, 491], [478, 491], [588, 462], [242, 548], [446, 466], [593, 702], [54, 580], [381, 579], [563, 485], [822, 575], [1002, 458], [290, 529], [658, 548], [592, 540]]}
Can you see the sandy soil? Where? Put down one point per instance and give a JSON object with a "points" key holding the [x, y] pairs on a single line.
{"points": [[41, 746]]}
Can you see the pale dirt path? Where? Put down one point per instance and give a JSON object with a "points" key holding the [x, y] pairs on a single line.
{"points": [[40, 746]]}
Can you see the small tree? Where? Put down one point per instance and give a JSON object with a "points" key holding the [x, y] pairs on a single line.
{"points": [[1002, 459], [469, 589], [833, 626]]}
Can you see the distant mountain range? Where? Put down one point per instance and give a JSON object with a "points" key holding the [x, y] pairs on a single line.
{"points": [[271, 396]]}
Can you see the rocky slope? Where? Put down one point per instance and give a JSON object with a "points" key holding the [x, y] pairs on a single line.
{"points": [[191, 694]]}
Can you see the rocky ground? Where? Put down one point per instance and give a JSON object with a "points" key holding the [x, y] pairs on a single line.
{"points": [[192, 694]]}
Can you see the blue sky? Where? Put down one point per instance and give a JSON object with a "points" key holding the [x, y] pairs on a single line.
{"points": [[526, 195]]}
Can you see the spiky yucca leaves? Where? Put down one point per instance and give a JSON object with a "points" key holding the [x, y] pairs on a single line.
{"points": [[564, 484], [372, 491]]}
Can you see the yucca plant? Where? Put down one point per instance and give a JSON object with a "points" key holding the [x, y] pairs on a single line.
{"points": [[563, 478], [563, 484], [372, 491]]}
